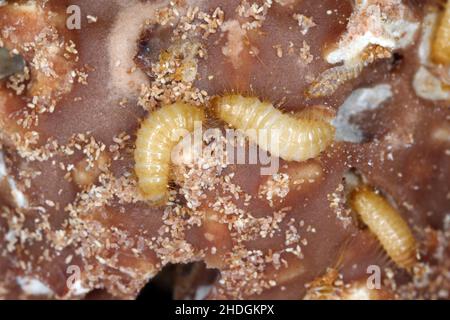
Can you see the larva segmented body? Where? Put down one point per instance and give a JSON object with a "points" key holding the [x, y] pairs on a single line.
{"points": [[155, 140], [282, 135], [441, 44], [319, 113], [331, 79], [388, 226]]}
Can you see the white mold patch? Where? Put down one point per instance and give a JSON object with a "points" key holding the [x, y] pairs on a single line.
{"points": [[360, 100]]}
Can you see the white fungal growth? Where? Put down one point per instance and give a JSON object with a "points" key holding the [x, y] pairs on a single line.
{"points": [[284, 136], [18, 196]]}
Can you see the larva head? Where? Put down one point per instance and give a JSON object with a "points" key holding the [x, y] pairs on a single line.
{"points": [[357, 193]]}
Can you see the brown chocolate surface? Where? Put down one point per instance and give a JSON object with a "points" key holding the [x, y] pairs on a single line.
{"points": [[268, 236]]}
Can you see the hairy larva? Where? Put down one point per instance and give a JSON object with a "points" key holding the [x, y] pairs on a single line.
{"points": [[10, 64], [282, 135], [156, 138], [388, 226], [331, 79], [330, 286]]}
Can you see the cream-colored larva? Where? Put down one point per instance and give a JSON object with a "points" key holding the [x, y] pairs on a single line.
{"points": [[324, 288], [387, 224], [283, 135], [331, 79], [156, 138], [441, 44]]}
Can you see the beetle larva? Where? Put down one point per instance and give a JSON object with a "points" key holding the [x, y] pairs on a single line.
{"points": [[331, 79], [282, 135], [155, 140], [388, 226], [441, 44]]}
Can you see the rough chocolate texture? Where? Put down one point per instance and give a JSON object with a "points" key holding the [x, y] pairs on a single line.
{"points": [[69, 196]]}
